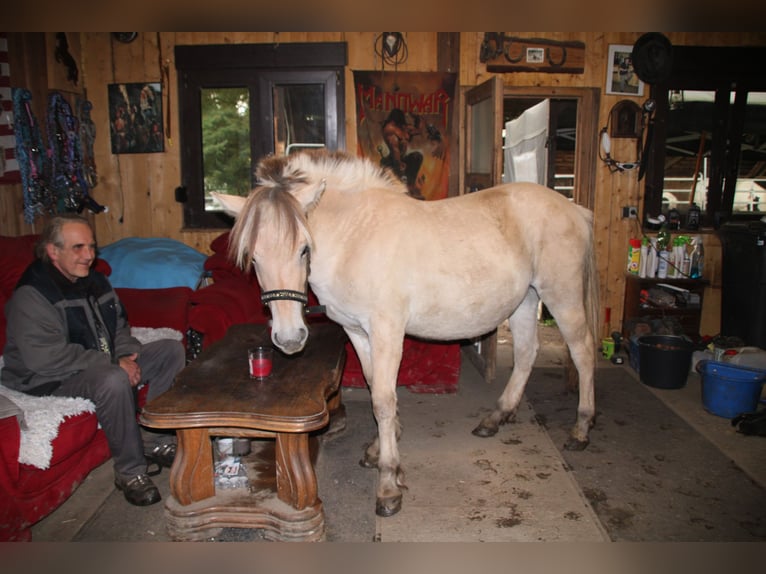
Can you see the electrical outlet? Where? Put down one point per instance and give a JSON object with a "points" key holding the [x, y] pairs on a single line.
{"points": [[630, 212]]}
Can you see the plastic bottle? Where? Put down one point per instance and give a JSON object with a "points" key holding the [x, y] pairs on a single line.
{"points": [[663, 245], [651, 264], [644, 260], [662, 264], [697, 269], [663, 235], [634, 255], [679, 250]]}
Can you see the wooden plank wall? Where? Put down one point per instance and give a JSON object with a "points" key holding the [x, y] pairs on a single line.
{"points": [[139, 188]]}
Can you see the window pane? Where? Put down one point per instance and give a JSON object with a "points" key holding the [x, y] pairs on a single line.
{"points": [[687, 149], [225, 142], [299, 117], [750, 193]]}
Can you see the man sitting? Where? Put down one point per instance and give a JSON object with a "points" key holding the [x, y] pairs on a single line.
{"points": [[68, 335]]}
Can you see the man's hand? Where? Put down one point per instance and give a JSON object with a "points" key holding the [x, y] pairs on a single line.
{"points": [[128, 363]]}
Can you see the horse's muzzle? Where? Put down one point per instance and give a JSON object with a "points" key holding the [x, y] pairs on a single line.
{"points": [[293, 344]]}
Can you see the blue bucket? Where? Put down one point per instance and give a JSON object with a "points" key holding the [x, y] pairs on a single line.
{"points": [[729, 390]]}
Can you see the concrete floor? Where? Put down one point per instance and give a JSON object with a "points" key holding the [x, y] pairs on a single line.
{"points": [[515, 486]]}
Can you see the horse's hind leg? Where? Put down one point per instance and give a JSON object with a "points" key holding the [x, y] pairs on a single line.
{"points": [[577, 334], [523, 326]]}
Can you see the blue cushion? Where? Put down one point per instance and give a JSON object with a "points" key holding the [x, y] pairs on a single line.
{"points": [[153, 263]]}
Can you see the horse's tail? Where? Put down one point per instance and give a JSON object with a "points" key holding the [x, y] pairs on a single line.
{"points": [[591, 287]]}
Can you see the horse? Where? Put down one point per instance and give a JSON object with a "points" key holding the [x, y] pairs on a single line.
{"points": [[384, 265]]}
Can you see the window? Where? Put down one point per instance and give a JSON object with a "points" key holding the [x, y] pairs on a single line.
{"points": [[239, 103], [709, 144]]}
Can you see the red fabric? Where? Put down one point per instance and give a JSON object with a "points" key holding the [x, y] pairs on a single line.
{"points": [[156, 308], [17, 253], [425, 368], [225, 303], [27, 493]]}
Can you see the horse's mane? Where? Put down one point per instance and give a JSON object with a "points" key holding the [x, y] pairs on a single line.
{"points": [[271, 198], [342, 171], [272, 204]]}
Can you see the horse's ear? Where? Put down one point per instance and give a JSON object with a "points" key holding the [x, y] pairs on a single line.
{"points": [[232, 204], [309, 195]]}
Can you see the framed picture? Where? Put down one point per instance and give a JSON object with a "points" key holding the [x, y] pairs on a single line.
{"points": [[535, 55], [135, 118], [621, 78]]}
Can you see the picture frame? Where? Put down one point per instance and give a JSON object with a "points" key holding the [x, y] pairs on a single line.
{"points": [[135, 118], [535, 55], [621, 77]]}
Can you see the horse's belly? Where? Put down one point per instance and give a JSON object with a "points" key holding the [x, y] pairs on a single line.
{"points": [[459, 322]]}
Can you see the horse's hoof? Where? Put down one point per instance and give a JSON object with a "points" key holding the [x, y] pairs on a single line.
{"points": [[365, 463], [485, 431], [386, 507], [576, 444]]}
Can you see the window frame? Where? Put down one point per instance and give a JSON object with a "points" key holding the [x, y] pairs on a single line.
{"points": [[258, 67], [722, 70]]}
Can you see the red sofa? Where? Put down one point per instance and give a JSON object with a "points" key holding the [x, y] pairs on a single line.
{"points": [[235, 297], [29, 493]]}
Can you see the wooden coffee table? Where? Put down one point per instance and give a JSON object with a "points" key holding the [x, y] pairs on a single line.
{"points": [[215, 396]]}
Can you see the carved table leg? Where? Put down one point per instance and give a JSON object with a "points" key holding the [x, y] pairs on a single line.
{"points": [[192, 475], [296, 479]]}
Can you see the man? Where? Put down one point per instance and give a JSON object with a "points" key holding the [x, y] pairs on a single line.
{"points": [[68, 335]]}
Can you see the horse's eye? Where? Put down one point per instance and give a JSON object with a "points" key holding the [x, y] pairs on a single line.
{"points": [[305, 252]]}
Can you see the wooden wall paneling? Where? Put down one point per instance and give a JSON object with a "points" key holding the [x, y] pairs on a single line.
{"points": [[58, 72], [97, 56]]}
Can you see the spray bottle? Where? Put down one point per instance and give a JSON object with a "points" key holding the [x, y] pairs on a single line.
{"points": [[697, 259]]}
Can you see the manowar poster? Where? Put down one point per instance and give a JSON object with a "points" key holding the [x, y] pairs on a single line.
{"points": [[403, 122]]}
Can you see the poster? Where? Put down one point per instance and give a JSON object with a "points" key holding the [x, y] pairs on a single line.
{"points": [[135, 118], [404, 123]]}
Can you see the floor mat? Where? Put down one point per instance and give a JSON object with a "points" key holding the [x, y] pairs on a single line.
{"points": [[648, 474]]}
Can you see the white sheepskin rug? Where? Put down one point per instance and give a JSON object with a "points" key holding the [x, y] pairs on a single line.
{"points": [[43, 415]]}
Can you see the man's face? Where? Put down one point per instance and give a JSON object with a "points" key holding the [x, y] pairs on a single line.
{"points": [[76, 255]]}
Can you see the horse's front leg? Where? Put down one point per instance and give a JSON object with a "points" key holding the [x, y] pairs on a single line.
{"points": [[390, 475], [382, 383]]}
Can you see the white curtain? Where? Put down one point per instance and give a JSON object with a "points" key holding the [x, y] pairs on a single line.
{"points": [[524, 150]]}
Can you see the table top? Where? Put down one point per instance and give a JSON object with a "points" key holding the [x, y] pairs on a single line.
{"points": [[216, 390]]}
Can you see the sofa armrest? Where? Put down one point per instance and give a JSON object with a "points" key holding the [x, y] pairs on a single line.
{"points": [[10, 440]]}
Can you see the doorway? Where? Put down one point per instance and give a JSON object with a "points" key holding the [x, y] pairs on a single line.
{"points": [[571, 169]]}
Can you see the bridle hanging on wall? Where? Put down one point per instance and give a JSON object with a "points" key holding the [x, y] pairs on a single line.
{"points": [[627, 120]]}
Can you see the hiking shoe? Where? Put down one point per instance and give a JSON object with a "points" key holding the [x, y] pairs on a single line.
{"points": [[138, 490], [162, 454]]}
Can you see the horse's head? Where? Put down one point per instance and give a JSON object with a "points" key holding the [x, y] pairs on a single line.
{"points": [[271, 234]]}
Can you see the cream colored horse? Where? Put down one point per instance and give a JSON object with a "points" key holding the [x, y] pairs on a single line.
{"points": [[385, 265]]}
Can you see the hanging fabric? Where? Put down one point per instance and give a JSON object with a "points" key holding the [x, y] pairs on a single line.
{"points": [[66, 160], [525, 150], [87, 139], [30, 153]]}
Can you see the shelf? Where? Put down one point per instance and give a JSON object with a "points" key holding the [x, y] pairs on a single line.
{"points": [[687, 316]]}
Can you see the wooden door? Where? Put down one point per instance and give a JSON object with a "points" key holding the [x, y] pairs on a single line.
{"points": [[483, 147]]}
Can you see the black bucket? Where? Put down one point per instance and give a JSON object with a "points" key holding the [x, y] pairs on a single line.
{"points": [[664, 360]]}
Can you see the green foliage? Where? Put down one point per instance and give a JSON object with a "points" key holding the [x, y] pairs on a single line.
{"points": [[226, 140]]}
